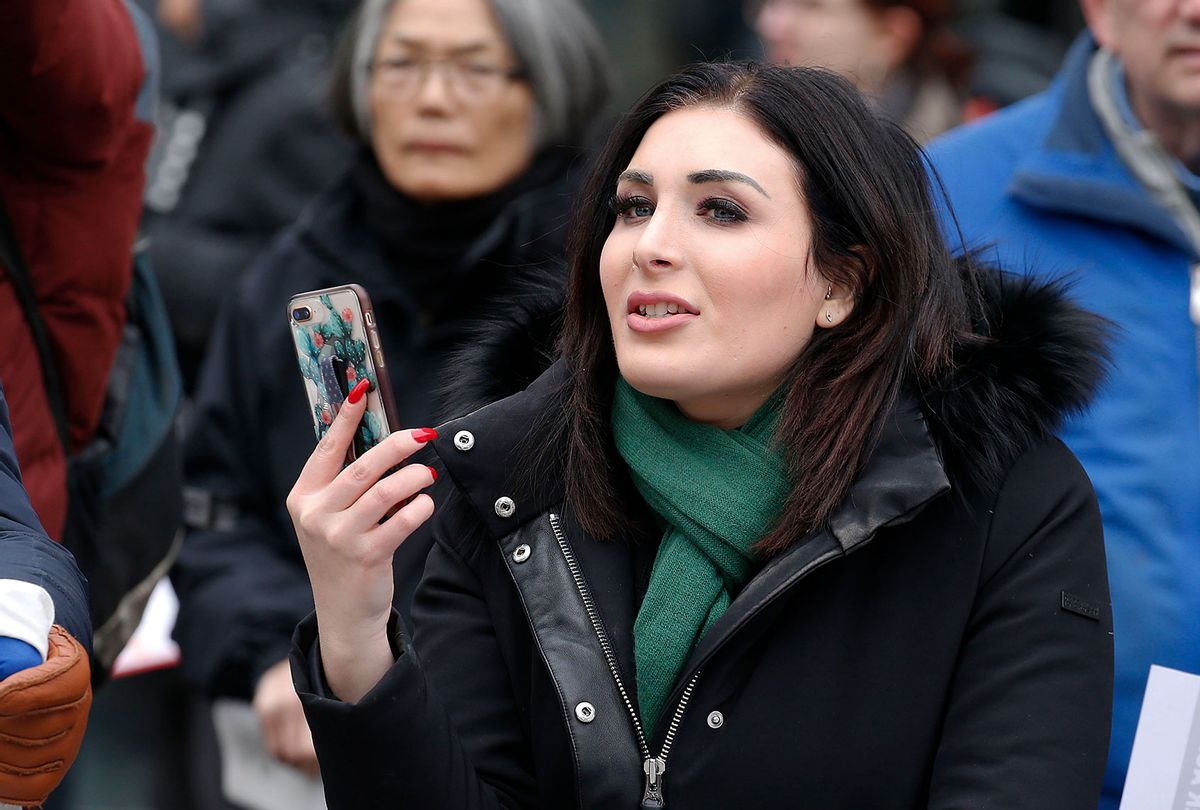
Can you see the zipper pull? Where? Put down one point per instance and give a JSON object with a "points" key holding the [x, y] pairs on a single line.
{"points": [[654, 767]]}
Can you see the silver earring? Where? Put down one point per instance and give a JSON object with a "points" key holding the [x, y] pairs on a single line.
{"points": [[829, 293], [829, 317]]}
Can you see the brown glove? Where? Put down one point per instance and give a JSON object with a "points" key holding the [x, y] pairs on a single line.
{"points": [[43, 714]]}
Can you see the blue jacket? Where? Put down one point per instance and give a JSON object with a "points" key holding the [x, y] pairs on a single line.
{"points": [[27, 554], [1041, 184]]}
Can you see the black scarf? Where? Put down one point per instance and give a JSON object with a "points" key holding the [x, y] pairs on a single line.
{"points": [[437, 248]]}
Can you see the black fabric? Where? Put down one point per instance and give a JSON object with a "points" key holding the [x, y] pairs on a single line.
{"points": [[439, 246], [245, 143], [914, 654], [242, 584]]}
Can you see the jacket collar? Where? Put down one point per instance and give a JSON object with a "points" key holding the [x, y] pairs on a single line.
{"points": [[901, 477], [1077, 170], [903, 474], [479, 451]]}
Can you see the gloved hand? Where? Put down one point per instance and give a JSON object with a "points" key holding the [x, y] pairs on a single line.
{"points": [[43, 715]]}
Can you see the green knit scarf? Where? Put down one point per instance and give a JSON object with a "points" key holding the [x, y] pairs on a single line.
{"points": [[718, 491]]}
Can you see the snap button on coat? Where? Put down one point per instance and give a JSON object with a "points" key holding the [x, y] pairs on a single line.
{"points": [[716, 720], [464, 440], [585, 712], [521, 554], [505, 506]]}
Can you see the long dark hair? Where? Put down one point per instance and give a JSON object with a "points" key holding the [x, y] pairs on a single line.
{"points": [[875, 231]]}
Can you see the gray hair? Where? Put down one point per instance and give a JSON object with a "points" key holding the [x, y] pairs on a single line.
{"points": [[556, 45]]}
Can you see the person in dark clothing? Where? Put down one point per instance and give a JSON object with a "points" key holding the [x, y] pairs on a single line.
{"points": [[786, 525], [470, 115], [245, 143]]}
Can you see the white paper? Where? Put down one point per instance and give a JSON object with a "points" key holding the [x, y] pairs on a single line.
{"points": [[250, 776], [1164, 770], [151, 646]]}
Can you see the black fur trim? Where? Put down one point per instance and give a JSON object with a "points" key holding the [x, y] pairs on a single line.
{"points": [[1042, 359], [509, 346]]}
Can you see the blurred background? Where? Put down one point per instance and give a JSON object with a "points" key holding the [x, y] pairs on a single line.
{"points": [[245, 142]]}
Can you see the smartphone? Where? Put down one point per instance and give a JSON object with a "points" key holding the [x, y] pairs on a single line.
{"points": [[337, 344]]}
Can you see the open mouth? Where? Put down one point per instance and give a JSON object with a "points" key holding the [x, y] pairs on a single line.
{"points": [[659, 304], [658, 311]]}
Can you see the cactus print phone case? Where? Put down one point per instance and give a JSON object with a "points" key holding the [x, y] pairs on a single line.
{"points": [[337, 344]]}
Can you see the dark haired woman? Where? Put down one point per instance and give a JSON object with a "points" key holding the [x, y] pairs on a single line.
{"points": [[785, 527], [900, 52]]}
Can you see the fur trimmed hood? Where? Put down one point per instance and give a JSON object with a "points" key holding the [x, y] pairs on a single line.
{"points": [[511, 346], [1042, 360]]}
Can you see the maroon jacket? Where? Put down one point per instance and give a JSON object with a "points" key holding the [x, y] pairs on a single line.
{"points": [[71, 173]]}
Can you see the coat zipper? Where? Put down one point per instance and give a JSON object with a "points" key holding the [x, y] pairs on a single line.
{"points": [[653, 767]]}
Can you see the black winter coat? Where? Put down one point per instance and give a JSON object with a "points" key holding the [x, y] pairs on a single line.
{"points": [[240, 578], [944, 642]]}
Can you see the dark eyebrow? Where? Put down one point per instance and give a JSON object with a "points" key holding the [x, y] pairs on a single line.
{"points": [[723, 175], [636, 176]]}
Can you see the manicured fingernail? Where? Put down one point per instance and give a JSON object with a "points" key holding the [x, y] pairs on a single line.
{"points": [[424, 434], [432, 471], [359, 389]]}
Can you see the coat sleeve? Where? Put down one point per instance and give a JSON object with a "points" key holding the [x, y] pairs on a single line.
{"points": [[398, 746], [1028, 714], [27, 554], [240, 578]]}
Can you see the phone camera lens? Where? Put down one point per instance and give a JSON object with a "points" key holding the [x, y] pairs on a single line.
{"points": [[301, 314]]}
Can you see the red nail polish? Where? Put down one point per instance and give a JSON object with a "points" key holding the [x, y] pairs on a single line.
{"points": [[424, 434], [432, 471], [359, 389]]}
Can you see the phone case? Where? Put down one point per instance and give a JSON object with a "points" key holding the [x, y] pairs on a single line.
{"points": [[337, 345]]}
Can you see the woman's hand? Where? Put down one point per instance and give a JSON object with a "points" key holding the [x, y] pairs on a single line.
{"points": [[346, 548]]}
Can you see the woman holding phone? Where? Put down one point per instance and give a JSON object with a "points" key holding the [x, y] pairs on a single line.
{"points": [[785, 525], [469, 115]]}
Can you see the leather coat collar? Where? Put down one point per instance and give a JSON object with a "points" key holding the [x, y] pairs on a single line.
{"points": [[903, 474]]}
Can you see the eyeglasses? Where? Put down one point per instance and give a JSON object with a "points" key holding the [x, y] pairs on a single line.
{"points": [[467, 79]]}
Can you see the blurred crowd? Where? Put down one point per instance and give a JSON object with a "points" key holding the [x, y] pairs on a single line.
{"points": [[428, 150]]}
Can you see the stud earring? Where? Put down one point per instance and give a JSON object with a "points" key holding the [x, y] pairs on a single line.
{"points": [[829, 293], [829, 317]]}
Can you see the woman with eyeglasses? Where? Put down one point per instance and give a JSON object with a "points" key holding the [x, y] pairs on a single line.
{"points": [[469, 115], [900, 52], [785, 526]]}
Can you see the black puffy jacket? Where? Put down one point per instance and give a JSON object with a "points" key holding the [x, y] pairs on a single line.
{"points": [[944, 642]]}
